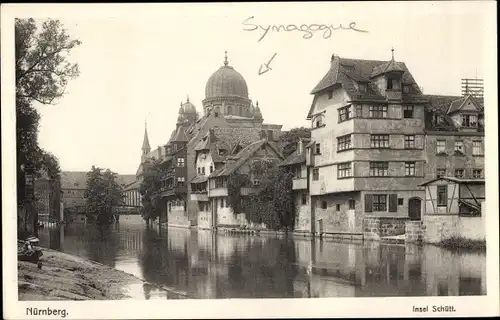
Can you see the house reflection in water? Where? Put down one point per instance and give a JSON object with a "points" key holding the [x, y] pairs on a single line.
{"points": [[208, 265]]}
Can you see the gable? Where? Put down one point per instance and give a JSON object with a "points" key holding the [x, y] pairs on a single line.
{"points": [[466, 104], [322, 100]]}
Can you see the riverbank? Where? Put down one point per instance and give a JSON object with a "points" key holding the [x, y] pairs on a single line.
{"points": [[67, 277]]}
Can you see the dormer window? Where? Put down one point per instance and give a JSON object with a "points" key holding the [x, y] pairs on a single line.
{"points": [[362, 87], [318, 122], [406, 89], [469, 121], [222, 152], [392, 84]]}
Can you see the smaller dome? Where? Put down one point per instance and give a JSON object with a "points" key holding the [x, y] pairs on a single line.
{"points": [[189, 107]]}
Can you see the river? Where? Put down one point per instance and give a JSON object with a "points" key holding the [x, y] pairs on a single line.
{"points": [[209, 266]]}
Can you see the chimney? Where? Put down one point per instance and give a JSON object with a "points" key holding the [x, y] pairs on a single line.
{"points": [[334, 59]]}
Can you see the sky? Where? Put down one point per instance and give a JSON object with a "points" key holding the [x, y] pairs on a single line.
{"points": [[140, 62]]}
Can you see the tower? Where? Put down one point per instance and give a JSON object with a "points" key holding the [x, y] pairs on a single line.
{"points": [[146, 148]]}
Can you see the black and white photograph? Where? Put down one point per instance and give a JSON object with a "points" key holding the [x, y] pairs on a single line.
{"points": [[333, 156]]}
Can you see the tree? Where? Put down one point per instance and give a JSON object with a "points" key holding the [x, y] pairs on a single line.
{"points": [[102, 193], [42, 73], [288, 141], [148, 189], [273, 205]]}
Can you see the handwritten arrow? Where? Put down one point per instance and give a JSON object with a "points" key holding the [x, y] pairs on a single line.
{"points": [[266, 66]]}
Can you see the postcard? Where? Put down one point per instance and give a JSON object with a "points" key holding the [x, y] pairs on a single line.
{"points": [[249, 160]]}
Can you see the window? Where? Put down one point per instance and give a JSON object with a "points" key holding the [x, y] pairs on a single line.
{"points": [[379, 202], [477, 173], [317, 149], [352, 204], [442, 196], [407, 112], [227, 203], [180, 181], [203, 171], [459, 173], [319, 122], [211, 169], [378, 111], [440, 146], [330, 94], [175, 147], [400, 201], [222, 152], [362, 87], [406, 89], [379, 169], [256, 182], [379, 141], [409, 168], [304, 198], [344, 143], [440, 172], [358, 110], [337, 207], [345, 113], [324, 205], [199, 170], [477, 148], [316, 174], [459, 147], [180, 162], [344, 170], [409, 142], [469, 120]]}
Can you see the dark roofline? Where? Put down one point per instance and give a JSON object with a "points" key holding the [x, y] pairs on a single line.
{"points": [[455, 180]]}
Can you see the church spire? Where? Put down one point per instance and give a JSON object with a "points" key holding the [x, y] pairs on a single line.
{"points": [[225, 58], [146, 148]]}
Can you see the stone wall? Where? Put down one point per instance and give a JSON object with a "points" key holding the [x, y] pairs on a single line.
{"points": [[302, 213], [343, 220], [414, 231], [440, 227], [378, 227]]}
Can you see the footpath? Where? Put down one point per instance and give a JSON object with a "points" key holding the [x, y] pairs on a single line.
{"points": [[67, 277]]}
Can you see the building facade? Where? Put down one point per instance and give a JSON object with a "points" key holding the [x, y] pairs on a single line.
{"points": [[375, 138], [226, 105]]}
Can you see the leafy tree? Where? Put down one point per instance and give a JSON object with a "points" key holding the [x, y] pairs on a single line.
{"points": [[273, 205], [42, 73], [102, 194], [288, 141], [149, 187]]}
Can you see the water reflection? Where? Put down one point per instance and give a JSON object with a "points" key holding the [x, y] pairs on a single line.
{"points": [[207, 265]]}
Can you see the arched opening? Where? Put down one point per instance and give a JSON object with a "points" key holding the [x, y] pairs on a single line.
{"points": [[229, 110], [415, 209]]}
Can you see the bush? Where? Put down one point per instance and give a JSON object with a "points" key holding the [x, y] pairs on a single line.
{"points": [[460, 243]]}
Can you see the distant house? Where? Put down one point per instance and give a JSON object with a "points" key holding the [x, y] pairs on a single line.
{"points": [[74, 183]]}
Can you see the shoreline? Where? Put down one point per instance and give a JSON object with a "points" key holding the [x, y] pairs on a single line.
{"points": [[67, 277]]}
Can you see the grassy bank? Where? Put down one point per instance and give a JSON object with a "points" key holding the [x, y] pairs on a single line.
{"points": [[67, 277], [463, 244]]}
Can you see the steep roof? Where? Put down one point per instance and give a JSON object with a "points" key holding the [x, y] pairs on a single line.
{"points": [[242, 157], [180, 135], [442, 106], [134, 185], [343, 69], [78, 179], [294, 158], [227, 139]]}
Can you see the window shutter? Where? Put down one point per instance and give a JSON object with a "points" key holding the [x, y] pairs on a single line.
{"points": [[393, 203], [368, 203]]}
